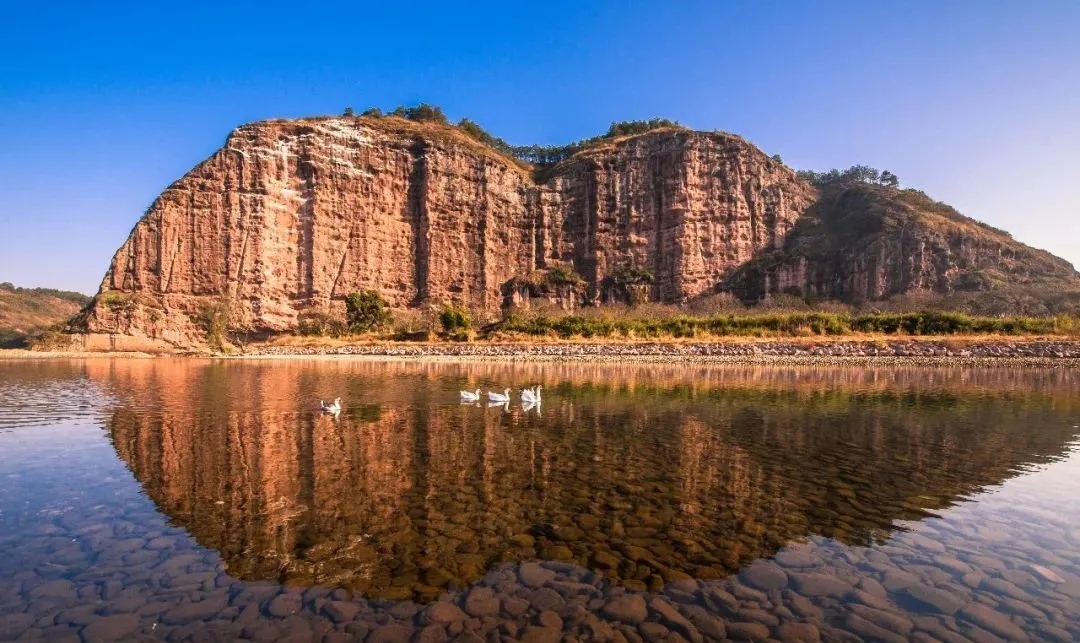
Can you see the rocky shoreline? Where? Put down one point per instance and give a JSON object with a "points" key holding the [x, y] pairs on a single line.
{"points": [[994, 351], [951, 351]]}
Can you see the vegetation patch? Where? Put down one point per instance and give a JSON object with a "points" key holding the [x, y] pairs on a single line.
{"points": [[116, 301], [540, 156], [320, 324], [628, 284], [29, 314], [214, 318], [456, 323], [785, 325], [366, 311], [854, 174]]}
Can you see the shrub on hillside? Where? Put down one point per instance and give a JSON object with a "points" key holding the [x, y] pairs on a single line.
{"points": [[214, 318], [320, 324], [366, 311], [854, 174], [455, 321], [420, 113]]}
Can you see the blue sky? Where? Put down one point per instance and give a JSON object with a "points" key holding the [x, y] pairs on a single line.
{"points": [[102, 105]]}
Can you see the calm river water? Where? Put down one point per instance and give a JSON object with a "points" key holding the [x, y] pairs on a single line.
{"points": [[181, 500]]}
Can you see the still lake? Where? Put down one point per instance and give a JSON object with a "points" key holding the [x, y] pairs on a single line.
{"points": [[187, 499]]}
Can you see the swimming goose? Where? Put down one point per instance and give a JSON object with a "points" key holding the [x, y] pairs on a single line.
{"points": [[331, 407], [469, 396], [531, 394], [499, 397]]}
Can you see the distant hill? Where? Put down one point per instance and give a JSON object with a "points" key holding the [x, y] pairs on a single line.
{"points": [[25, 312]]}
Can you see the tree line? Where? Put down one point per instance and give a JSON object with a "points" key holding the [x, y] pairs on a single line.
{"points": [[535, 154], [854, 174], [67, 295]]}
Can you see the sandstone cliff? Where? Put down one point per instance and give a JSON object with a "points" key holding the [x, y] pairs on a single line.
{"points": [[292, 215]]}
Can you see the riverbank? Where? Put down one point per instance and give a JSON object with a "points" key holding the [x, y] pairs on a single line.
{"points": [[26, 354], [974, 351], [953, 350]]}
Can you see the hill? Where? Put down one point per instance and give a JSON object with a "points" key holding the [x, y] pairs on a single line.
{"points": [[291, 216], [26, 312], [869, 243]]}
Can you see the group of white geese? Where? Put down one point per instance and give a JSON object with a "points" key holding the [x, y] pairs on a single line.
{"points": [[529, 397]]}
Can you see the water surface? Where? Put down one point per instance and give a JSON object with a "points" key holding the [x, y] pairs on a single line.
{"points": [[186, 499]]}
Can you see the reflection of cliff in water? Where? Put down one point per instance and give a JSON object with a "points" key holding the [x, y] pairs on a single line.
{"points": [[647, 479]]}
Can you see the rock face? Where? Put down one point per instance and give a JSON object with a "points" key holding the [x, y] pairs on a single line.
{"points": [[867, 242], [291, 216]]}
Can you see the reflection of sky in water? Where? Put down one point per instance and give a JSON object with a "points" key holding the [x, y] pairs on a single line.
{"points": [[71, 509]]}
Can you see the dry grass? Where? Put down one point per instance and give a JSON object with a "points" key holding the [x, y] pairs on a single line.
{"points": [[26, 313]]}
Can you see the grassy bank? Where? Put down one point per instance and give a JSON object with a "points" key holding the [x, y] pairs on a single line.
{"points": [[796, 324]]}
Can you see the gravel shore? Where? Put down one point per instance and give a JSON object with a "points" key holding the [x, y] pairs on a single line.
{"points": [[952, 351], [906, 351]]}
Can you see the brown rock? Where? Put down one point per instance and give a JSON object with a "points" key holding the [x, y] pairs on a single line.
{"points": [[870, 631], [195, 611], [539, 634], [995, 622], [392, 633], [546, 598], [764, 576], [936, 599], [443, 613], [431, 634], [628, 609], [675, 621], [1047, 574], [814, 584], [886, 619], [481, 601], [533, 575], [284, 605], [110, 628], [709, 625], [341, 611], [747, 631], [515, 606], [548, 618], [798, 633]]}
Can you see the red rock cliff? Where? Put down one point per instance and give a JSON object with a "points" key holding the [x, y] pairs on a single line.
{"points": [[292, 215]]}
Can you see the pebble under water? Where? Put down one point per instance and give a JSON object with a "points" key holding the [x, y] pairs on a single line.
{"points": [[203, 500]]}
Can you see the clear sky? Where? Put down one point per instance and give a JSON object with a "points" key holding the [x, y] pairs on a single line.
{"points": [[102, 105]]}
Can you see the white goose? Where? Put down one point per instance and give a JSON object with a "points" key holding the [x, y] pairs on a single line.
{"points": [[331, 407], [531, 395], [499, 397], [469, 396]]}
